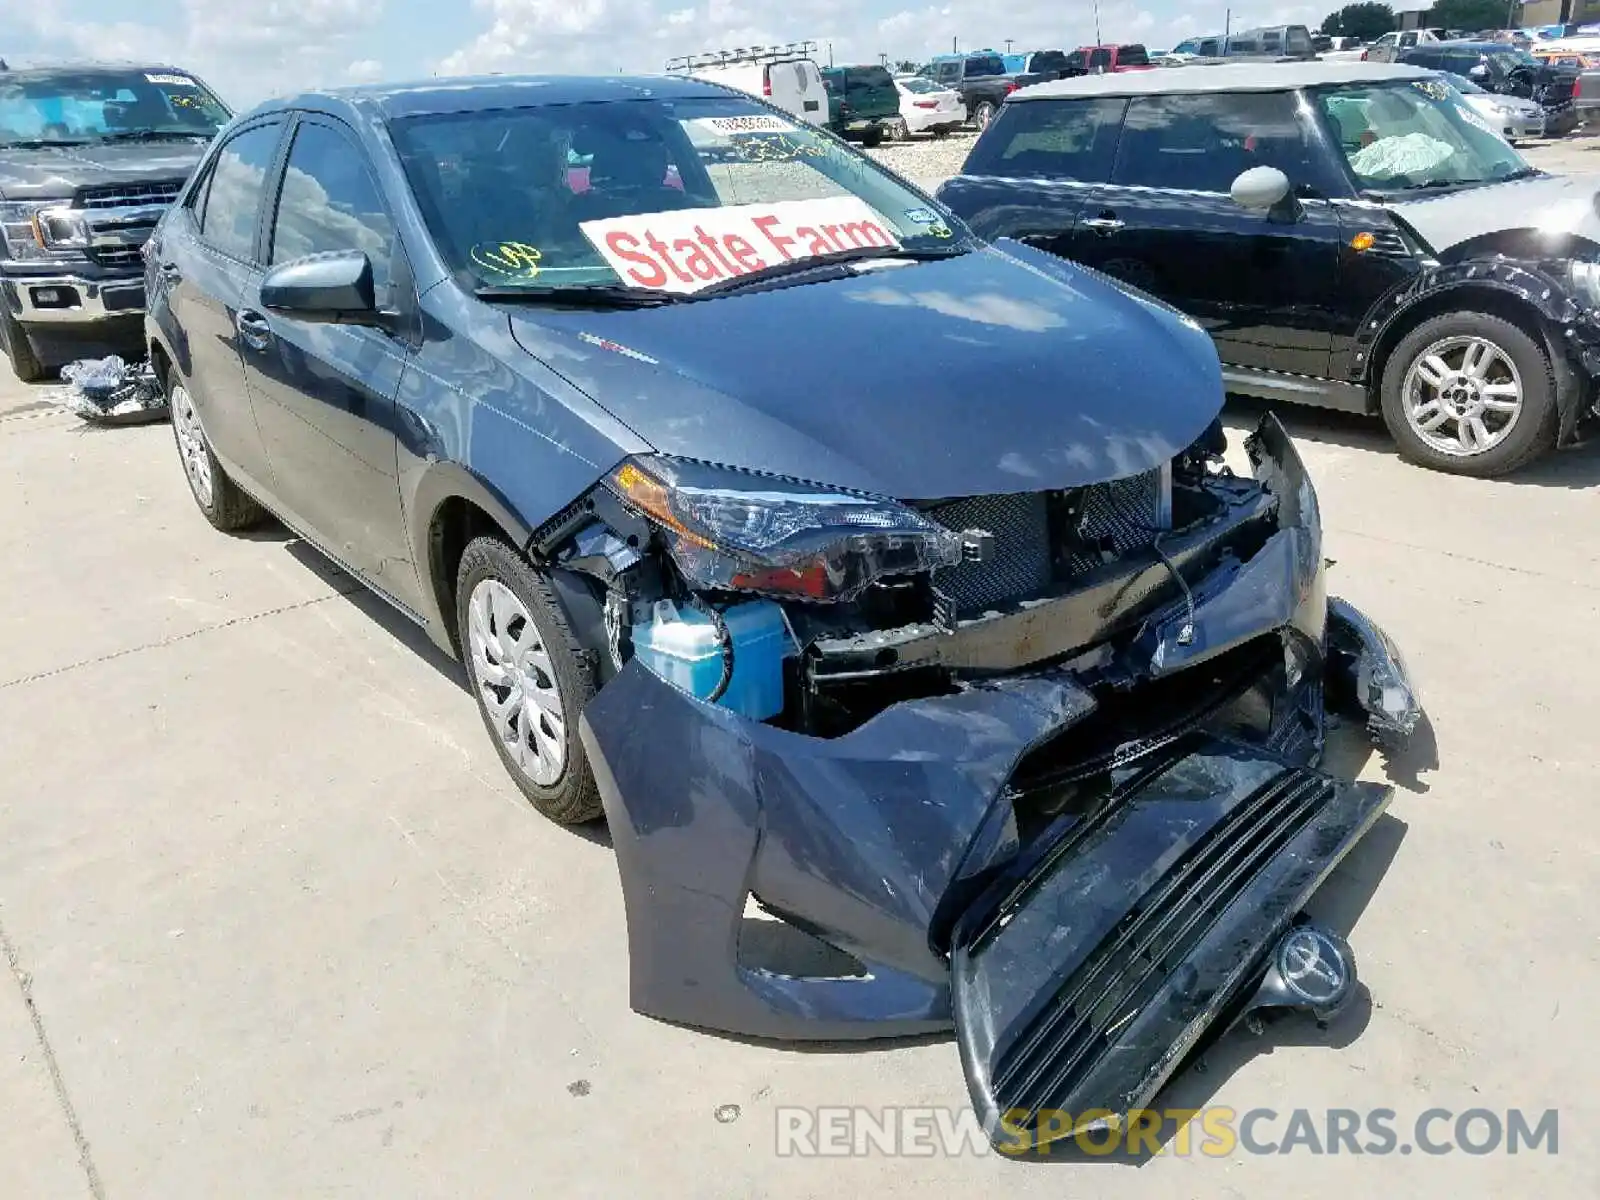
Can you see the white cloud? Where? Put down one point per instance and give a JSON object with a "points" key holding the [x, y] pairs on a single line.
{"points": [[364, 70]]}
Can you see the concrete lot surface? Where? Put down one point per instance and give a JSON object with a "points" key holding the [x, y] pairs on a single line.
{"points": [[276, 925]]}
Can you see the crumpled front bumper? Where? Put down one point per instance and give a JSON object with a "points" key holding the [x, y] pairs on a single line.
{"points": [[904, 843]]}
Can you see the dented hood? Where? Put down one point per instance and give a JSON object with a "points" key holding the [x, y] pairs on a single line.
{"points": [[1002, 370], [1555, 204]]}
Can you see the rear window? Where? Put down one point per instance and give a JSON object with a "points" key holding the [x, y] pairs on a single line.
{"points": [[1051, 139], [1132, 56], [877, 77], [1048, 60], [1099, 58], [985, 64]]}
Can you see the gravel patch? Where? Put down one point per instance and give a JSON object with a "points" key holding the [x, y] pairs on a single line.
{"points": [[927, 161]]}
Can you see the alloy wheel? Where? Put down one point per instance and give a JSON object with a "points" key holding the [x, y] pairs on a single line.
{"points": [[516, 681], [192, 446], [1462, 395]]}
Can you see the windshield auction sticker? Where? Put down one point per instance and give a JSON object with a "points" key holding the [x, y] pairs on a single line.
{"points": [[171, 80], [686, 250]]}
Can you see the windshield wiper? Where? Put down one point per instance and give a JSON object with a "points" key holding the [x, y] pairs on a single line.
{"points": [[598, 295], [40, 143], [150, 135], [1519, 173], [821, 262]]}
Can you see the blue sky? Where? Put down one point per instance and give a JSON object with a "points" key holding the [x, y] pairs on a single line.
{"points": [[250, 51]]}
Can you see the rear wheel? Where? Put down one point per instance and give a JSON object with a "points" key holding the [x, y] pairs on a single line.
{"points": [[983, 114], [25, 364], [900, 131], [1472, 394], [871, 137], [218, 497]]}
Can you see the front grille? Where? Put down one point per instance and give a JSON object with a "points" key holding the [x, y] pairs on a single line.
{"points": [[129, 195], [1044, 536], [1063, 1043], [1021, 562], [114, 256]]}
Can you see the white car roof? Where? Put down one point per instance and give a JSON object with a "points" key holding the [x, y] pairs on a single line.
{"points": [[1224, 77]]}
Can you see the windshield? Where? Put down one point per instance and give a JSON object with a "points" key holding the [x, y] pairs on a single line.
{"points": [[78, 107], [660, 195], [1404, 136]]}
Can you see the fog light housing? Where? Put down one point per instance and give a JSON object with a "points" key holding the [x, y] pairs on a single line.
{"points": [[54, 297]]}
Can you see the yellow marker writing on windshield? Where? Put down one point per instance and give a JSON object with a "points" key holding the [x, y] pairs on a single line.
{"points": [[508, 258]]}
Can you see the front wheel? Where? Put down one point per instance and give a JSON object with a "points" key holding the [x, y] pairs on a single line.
{"points": [[983, 114], [222, 501], [25, 364], [1472, 394], [530, 676]]}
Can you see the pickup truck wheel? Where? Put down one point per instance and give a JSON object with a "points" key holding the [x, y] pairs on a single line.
{"points": [[983, 114], [25, 364], [220, 500], [530, 677], [1472, 394]]}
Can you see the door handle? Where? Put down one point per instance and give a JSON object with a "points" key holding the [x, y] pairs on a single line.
{"points": [[253, 329], [1104, 225]]}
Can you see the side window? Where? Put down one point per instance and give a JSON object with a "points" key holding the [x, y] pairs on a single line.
{"points": [[1271, 42], [949, 72], [238, 180], [1208, 48], [1204, 142], [1078, 60], [1099, 59], [1299, 41], [329, 202], [1051, 139]]}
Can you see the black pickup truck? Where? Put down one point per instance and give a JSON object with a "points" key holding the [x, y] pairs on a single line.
{"points": [[90, 157], [981, 78]]}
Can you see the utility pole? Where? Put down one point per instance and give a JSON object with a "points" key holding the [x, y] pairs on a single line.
{"points": [[830, 54], [1227, 28], [953, 49], [1008, 45], [1097, 41]]}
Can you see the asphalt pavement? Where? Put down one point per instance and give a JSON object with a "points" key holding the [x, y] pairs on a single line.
{"points": [[275, 924]]}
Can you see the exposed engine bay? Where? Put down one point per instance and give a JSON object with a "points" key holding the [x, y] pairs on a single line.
{"points": [[1041, 766]]}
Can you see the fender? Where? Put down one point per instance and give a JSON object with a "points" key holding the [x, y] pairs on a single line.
{"points": [[1570, 331]]}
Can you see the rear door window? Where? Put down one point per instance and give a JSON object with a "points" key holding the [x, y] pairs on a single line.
{"points": [[238, 182], [1051, 139], [1204, 142]]}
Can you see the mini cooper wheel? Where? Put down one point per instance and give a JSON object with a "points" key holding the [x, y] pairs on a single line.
{"points": [[1470, 393], [530, 678], [219, 498]]}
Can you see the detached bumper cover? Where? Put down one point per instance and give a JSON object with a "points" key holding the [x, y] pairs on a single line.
{"points": [[910, 843]]}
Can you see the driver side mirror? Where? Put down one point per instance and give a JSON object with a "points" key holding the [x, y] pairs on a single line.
{"points": [[335, 287], [1260, 188]]}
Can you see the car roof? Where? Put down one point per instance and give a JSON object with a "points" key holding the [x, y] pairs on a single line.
{"points": [[483, 92], [1224, 77], [98, 67]]}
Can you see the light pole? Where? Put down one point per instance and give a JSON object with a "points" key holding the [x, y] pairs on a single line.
{"points": [[1008, 45], [1097, 22]]}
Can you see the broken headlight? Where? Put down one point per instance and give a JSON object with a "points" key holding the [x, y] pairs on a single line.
{"points": [[740, 531]]}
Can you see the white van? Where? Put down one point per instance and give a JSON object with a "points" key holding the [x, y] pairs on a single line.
{"points": [[785, 76]]}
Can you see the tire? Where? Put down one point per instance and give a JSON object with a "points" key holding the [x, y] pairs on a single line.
{"points": [[899, 131], [219, 499], [940, 131], [25, 364], [1480, 388], [545, 660], [871, 138], [982, 115]]}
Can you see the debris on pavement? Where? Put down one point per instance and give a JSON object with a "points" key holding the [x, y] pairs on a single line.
{"points": [[109, 391]]}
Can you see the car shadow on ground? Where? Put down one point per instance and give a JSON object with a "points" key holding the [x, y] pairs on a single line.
{"points": [[1575, 467]]}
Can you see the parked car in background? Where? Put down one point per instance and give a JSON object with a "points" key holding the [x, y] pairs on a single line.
{"points": [[981, 696], [1517, 119], [1388, 47], [980, 80], [784, 76], [1092, 60], [90, 156], [925, 107], [1273, 41], [863, 102], [1037, 65], [1508, 71], [1351, 235]]}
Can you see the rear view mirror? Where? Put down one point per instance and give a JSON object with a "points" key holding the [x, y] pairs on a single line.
{"points": [[1260, 188], [336, 286]]}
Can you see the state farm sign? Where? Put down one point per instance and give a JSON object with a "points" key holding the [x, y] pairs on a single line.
{"points": [[691, 249]]}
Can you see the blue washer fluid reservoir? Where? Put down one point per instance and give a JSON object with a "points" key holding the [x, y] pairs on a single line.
{"points": [[681, 645]]}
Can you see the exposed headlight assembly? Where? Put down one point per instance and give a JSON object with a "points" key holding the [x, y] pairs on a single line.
{"points": [[1585, 277], [47, 231], [739, 531]]}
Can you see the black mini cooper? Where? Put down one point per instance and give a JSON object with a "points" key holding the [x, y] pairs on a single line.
{"points": [[1352, 235]]}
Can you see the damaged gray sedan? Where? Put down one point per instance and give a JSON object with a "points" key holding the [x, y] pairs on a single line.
{"points": [[846, 563]]}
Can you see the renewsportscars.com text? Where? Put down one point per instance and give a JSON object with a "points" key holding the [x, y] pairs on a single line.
{"points": [[1214, 1132]]}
